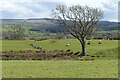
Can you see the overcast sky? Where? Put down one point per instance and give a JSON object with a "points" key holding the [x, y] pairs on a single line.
{"points": [[24, 9]]}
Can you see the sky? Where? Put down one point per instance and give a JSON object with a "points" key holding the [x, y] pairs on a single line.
{"points": [[25, 9]]}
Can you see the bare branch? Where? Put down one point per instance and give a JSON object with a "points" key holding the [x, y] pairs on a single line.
{"points": [[80, 21]]}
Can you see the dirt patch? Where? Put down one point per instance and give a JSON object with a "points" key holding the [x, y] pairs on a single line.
{"points": [[40, 55]]}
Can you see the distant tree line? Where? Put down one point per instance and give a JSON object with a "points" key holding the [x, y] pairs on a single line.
{"points": [[14, 32], [52, 28], [47, 28]]}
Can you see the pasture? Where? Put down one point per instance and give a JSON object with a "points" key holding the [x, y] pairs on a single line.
{"points": [[60, 69], [107, 48], [106, 67]]}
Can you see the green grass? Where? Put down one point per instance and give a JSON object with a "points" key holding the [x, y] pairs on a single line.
{"points": [[110, 31], [99, 68], [60, 69], [16, 45], [94, 48]]}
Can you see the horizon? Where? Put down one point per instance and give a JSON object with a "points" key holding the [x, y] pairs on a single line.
{"points": [[43, 18]]}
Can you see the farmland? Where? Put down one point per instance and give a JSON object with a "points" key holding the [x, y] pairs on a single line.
{"points": [[60, 69], [35, 28], [63, 69], [101, 60], [71, 40], [94, 48]]}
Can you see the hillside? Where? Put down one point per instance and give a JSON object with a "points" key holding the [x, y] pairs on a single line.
{"points": [[40, 26]]}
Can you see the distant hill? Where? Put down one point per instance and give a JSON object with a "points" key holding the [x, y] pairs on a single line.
{"points": [[41, 24]]}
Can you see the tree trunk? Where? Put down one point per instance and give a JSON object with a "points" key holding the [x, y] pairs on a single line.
{"points": [[83, 53]]}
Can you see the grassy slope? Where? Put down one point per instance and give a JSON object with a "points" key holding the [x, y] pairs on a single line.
{"points": [[100, 68], [60, 44], [60, 69], [111, 31]]}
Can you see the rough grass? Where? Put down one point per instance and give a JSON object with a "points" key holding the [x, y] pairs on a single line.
{"points": [[99, 68], [60, 69], [17, 45], [107, 48]]}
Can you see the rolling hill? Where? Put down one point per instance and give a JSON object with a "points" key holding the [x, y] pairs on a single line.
{"points": [[38, 26]]}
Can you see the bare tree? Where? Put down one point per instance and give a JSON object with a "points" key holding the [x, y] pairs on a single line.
{"points": [[80, 21]]}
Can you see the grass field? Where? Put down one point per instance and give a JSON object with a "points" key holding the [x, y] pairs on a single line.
{"points": [[99, 68], [17, 45], [108, 47], [60, 69]]}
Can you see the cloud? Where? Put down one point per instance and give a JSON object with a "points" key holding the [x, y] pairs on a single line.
{"points": [[109, 7], [110, 10], [42, 8], [12, 10], [27, 9]]}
